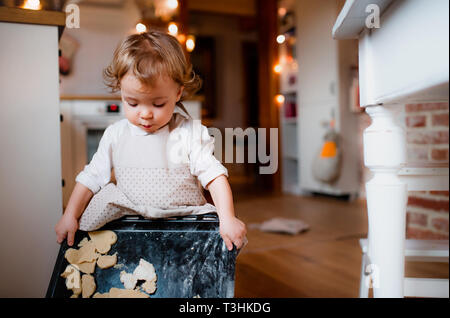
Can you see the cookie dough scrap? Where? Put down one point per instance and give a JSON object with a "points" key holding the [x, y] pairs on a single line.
{"points": [[107, 261], [128, 280], [103, 240], [88, 285], [85, 254], [84, 258], [149, 286], [121, 293], [83, 241], [73, 280], [145, 271], [87, 267]]}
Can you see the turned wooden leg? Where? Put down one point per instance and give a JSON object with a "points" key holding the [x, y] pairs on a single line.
{"points": [[384, 155]]}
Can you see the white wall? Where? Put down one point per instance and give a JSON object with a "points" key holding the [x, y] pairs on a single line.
{"points": [[101, 30], [323, 84], [30, 164]]}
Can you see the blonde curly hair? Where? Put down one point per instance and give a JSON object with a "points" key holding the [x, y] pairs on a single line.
{"points": [[148, 56]]}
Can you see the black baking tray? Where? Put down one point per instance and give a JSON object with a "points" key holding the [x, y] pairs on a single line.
{"points": [[188, 253]]}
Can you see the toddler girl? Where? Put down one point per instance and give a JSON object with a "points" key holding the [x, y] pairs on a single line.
{"points": [[158, 152]]}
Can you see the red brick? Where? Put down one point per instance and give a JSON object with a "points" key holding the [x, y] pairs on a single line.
{"points": [[416, 218], [417, 154], [440, 120], [416, 121], [425, 107], [439, 154], [427, 137], [446, 193], [432, 204], [440, 224], [415, 233]]}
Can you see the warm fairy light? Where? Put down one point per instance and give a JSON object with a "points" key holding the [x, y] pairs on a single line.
{"points": [[32, 4], [181, 38], [173, 29], [281, 38], [141, 27], [277, 68], [172, 4], [279, 99], [282, 12], [190, 43]]}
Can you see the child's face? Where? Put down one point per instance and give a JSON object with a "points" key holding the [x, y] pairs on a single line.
{"points": [[149, 108]]}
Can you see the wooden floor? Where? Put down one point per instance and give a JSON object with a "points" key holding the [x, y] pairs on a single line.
{"points": [[323, 262]]}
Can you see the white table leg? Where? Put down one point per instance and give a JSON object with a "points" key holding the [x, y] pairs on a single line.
{"points": [[384, 155]]}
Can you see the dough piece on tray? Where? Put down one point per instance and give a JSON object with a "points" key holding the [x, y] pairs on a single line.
{"points": [[73, 280], [121, 293], [87, 267], [149, 286], [128, 280], [83, 241], [103, 240], [85, 254], [87, 285], [145, 271], [107, 261]]}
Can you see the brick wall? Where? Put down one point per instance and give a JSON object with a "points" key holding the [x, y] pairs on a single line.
{"points": [[427, 128]]}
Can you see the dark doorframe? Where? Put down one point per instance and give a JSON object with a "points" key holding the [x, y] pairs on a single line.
{"points": [[268, 81]]}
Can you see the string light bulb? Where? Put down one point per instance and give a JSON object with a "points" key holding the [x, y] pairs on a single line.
{"points": [[172, 4], [277, 68], [32, 5], [173, 29], [281, 38], [279, 98], [190, 43], [181, 38], [141, 28]]}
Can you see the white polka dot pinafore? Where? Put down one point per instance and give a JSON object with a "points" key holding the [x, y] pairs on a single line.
{"points": [[148, 183]]}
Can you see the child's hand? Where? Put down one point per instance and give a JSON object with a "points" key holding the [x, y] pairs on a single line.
{"points": [[233, 231], [66, 227]]}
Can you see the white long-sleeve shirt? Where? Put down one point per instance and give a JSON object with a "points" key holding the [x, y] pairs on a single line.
{"points": [[191, 137]]}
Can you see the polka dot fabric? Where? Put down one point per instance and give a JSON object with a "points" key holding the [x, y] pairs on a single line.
{"points": [[162, 188]]}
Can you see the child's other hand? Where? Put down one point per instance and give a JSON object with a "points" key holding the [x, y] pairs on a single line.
{"points": [[233, 231], [66, 227]]}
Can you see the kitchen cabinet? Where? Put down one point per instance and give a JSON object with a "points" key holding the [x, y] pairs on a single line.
{"points": [[30, 165]]}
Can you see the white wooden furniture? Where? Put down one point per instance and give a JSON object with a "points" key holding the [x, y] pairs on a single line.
{"points": [[317, 79], [30, 164], [415, 251], [403, 60]]}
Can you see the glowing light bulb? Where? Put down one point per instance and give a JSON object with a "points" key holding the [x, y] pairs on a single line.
{"points": [[181, 38], [281, 38], [32, 4], [279, 99], [141, 27], [282, 12], [190, 43], [172, 4], [277, 68], [173, 29]]}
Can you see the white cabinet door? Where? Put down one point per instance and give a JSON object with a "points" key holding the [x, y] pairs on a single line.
{"points": [[30, 165]]}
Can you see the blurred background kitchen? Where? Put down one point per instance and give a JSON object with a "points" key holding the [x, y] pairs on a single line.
{"points": [[264, 64]]}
